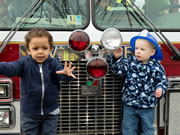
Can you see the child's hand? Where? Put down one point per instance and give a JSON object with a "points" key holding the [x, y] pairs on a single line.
{"points": [[158, 93], [67, 70], [118, 52]]}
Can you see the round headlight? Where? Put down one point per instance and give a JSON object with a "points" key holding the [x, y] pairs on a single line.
{"points": [[79, 41], [97, 68], [111, 39]]}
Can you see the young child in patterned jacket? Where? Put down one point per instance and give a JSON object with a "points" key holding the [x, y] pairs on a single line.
{"points": [[145, 83]]}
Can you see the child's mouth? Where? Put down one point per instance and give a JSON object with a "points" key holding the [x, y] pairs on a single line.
{"points": [[40, 58]]}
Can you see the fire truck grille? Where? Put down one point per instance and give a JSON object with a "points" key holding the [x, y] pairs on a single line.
{"points": [[90, 114]]}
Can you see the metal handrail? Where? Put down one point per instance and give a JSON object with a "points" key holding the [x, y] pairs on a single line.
{"points": [[162, 37], [35, 5]]}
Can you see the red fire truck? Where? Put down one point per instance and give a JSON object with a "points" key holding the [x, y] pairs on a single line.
{"points": [[90, 104]]}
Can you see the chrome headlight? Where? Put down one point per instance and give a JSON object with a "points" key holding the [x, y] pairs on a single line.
{"points": [[6, 90], [111, 39], [7, 116]]}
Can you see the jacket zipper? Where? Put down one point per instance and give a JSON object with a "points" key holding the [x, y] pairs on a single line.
{"points": [[43, 88]]}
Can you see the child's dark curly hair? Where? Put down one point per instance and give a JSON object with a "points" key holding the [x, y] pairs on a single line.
{"points": [[38, 32]]}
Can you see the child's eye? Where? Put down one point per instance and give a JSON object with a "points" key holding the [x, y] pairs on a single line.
{"points": [[142, 49], [45, 48], [34, 48]]}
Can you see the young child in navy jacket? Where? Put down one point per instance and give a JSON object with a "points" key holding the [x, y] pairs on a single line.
{"points": [[145, 83], [40, 83]]}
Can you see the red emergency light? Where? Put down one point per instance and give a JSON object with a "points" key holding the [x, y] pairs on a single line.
{"points": [[79, 41], [97, 68]]}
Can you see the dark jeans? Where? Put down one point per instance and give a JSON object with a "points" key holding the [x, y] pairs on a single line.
{"points": [[39, 124], [132, 117]]}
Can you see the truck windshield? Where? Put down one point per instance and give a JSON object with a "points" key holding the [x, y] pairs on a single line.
{"points": [[52, 14], [122, 14]]}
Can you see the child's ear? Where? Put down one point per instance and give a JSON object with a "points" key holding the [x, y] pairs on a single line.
{"points": [[50, 50], [153, 52], [28, 52]]}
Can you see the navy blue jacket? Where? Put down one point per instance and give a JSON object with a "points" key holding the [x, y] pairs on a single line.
{"points": [[40, 85]]}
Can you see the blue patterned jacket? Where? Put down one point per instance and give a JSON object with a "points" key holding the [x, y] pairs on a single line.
{"points": [[141, 80]]}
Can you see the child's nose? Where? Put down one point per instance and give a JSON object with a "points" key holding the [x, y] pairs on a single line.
{"points": [[138, 51], [40, 50]]}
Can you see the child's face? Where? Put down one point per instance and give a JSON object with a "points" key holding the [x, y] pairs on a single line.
{"points": [[39, 49], [144, 50]]}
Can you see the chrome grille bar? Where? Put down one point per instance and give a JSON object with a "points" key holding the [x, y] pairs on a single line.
{"points": [[90, 114]]}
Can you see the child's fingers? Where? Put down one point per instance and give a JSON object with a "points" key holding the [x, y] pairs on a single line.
{"points": [[73, 68], [60, 72], [73, 76], [70, 65], [158, 93], [65, 65], [118, 52]]}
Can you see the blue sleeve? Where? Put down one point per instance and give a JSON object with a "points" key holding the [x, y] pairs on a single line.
{"points": [[161, 80], [118, 66], [11, 69]]}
